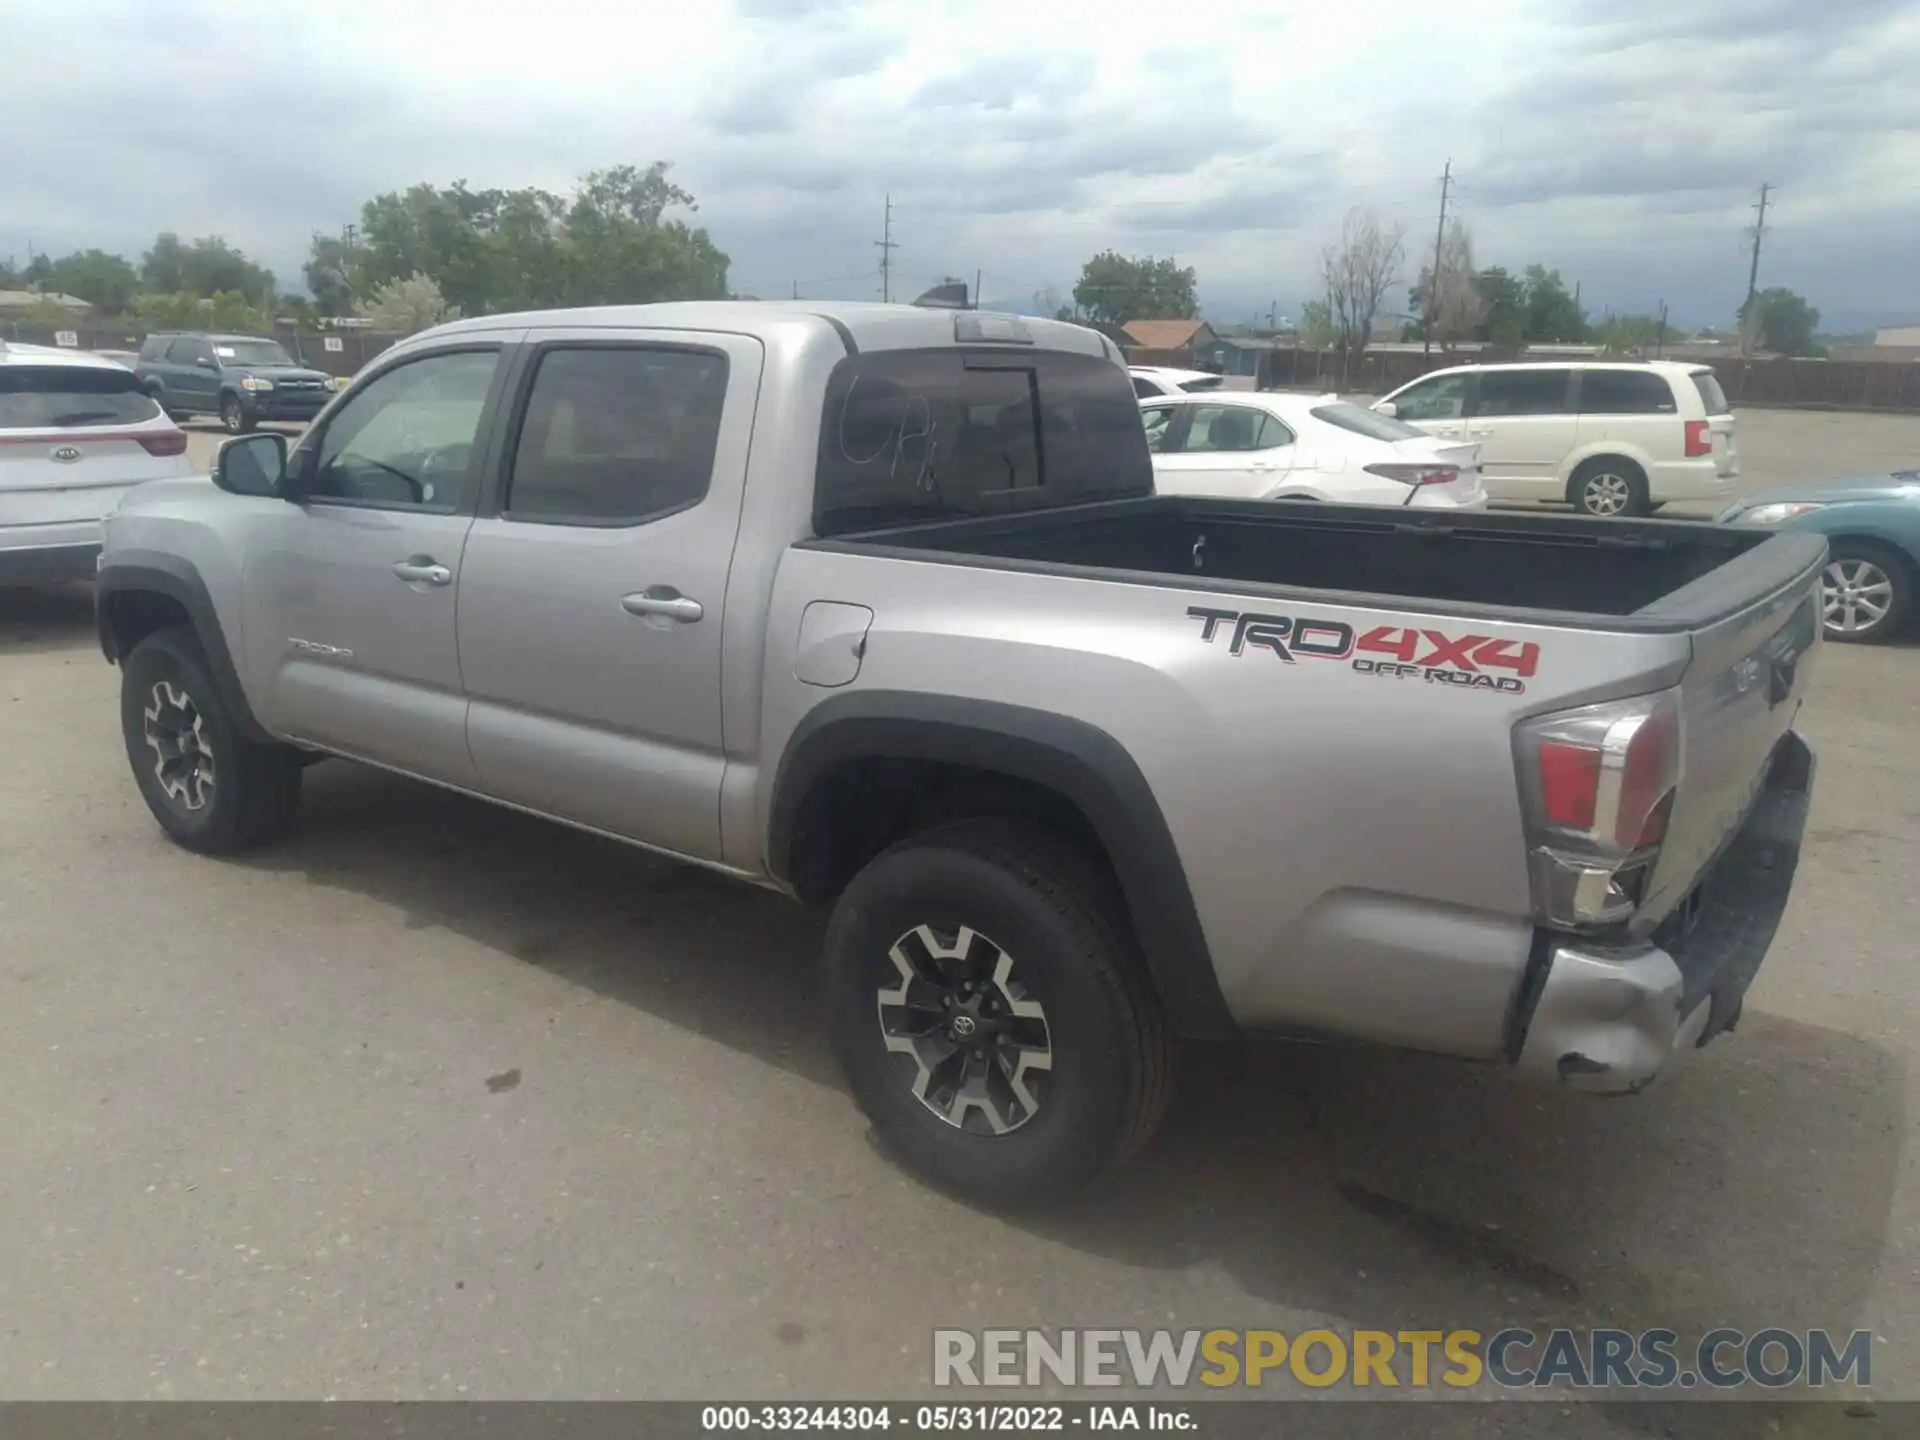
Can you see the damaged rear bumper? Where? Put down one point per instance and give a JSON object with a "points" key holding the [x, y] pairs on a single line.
{"points": [[1610, 1019]]}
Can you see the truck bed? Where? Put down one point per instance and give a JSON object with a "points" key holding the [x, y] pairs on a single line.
{"points": [[1646, 574]]}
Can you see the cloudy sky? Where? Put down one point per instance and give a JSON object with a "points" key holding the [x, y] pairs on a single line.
{"points": [[1622, 141]]}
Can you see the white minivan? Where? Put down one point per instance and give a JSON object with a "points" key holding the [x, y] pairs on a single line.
{"points": [[1609, 438]]}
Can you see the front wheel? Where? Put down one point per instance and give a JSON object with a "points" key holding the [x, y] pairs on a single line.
{"points": [[1865, 593], [992, 1014], [211, 789], [234, 415]]}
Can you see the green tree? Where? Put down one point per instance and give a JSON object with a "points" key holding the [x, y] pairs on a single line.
{"points": [[1781, 321], [1504, 321], [491, 250], [162, 268], [1317, 330], [1115, 288], [1632, 334], [1456, 305], [206, 267], [105, 281], [180, 310], [48, 314], [1553, 315], [329, 273], [401, 307]]}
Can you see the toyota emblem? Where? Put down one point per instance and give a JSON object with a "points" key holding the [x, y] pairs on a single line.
{"points": [[67, 454]]}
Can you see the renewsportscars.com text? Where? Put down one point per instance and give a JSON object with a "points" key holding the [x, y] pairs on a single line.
{"points": [[1511, 1359]]}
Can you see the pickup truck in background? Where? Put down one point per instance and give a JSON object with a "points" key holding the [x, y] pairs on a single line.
{"points": [[876, 606]]}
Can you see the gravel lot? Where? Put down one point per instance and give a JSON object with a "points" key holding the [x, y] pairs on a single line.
{"points": [[434, 1100]]}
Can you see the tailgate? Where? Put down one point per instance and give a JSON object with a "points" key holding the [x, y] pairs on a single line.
{"points": [[1738, 698], [56, 479]]}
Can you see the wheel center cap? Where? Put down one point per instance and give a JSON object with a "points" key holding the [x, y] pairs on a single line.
{"points": [[965, 1027]]}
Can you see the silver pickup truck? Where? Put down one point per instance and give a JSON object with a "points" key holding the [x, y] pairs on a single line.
{"points": [[877, 606]]}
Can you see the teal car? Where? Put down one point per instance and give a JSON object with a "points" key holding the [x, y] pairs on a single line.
{"points": [[1872, 527]]}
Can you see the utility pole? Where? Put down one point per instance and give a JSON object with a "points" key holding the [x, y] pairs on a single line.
{"points": [[887, 247], [1273, 316], [1660, 340], [1759, 231], [976, 289], [1439, 241], [796, 289]]}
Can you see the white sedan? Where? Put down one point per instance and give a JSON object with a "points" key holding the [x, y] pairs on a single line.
{"points": [[1257, 445]]}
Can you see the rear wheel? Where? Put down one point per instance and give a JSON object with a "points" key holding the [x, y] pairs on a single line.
{"points": [[211, 789], [992, 1014], [1610, 488], [1866, 593], [234, 415]]}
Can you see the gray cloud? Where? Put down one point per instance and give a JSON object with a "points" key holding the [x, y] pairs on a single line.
{"points": [[1618, 139]]}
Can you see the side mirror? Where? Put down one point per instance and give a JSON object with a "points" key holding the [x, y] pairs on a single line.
{"points": [[207, 362], [1386, 408], [253, 465]]}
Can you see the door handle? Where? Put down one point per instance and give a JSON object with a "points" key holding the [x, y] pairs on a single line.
{"points": [[423, 570], [665, 601]]}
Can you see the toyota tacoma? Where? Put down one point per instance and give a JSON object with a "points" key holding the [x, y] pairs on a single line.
{"points": [[876, 606]]}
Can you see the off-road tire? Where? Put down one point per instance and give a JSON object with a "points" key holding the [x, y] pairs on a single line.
{"points": [[253, 794], [1041, 900], [235, 417]]}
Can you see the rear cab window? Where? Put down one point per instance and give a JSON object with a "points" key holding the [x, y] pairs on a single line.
{"points": [[1712, 397], [68, 397], [909, 435]]}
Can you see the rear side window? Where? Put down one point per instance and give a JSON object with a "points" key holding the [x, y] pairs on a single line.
{"points": [[185, 351], [942, 434], [1221, 429], [1145, 389], [37, 397], [1625, 392], [1362, 421], [1711, 395], [153, 347], [1524, 392], [617, 435]]}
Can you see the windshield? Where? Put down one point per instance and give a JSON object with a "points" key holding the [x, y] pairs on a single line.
{"points": [[50, 397], [251, 352], [1362, 421]]}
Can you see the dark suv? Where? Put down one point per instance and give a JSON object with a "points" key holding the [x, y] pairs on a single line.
{"points": [[241, 378]]}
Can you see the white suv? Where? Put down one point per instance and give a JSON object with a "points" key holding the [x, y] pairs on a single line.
{"points": [[1609, 439], [76, 432]]}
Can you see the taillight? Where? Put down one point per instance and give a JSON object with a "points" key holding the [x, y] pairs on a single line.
{"points": [[164, 442], [1597, 786], [1699, 439], [1415, 475]]}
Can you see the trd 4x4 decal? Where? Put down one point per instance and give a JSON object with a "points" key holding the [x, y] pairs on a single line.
{"points": [[1399, 652]]}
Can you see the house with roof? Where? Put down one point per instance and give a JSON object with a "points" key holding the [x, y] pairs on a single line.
{"points": [[1168, 342]]}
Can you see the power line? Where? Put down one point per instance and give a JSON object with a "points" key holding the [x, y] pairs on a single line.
{"points": [[1439, 240], [1759, 233], [887, 247]]}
